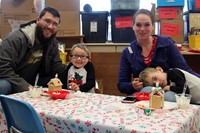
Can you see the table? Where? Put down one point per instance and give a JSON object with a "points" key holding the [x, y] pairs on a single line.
{"points": [[100, 113]]}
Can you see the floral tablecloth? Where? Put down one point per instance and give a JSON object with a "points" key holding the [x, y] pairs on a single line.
{"points": [[98, 113]]}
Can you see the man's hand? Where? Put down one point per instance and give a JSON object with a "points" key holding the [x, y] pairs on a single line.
{"points": [[30, 88], [137, 84]]}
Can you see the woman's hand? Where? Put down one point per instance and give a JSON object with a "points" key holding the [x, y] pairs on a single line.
{"points": [[137, 84], [74, 87]]}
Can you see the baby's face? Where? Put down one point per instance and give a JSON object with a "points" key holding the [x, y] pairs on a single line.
{"points": [[158, 77], [79, 57]]}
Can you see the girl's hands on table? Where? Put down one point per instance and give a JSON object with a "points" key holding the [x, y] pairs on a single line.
{"points": [[74, 87]]}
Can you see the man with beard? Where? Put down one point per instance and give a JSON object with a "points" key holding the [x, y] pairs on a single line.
{"points": [[31, 50]]}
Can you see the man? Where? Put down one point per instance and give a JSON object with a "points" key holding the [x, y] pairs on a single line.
{"points": [[31, 50]]}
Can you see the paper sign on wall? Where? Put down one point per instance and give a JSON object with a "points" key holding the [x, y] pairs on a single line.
{"points": [[123, 22], [170, 29], [170, 12], [197, 3], [93, 26]]}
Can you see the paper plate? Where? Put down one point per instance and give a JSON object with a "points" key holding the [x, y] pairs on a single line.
{"points": [[145, 104], [45, 93]]}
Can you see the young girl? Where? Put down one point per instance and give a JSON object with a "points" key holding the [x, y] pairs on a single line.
{"points": [[81, 73], [172, 80]]}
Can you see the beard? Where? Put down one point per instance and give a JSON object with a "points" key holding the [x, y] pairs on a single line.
{"points": [[40, 36]]}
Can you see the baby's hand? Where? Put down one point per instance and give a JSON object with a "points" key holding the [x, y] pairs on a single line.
{"points": [[166, 88]]}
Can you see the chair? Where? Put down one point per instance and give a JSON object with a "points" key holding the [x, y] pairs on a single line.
{"points": [[20, 116]]}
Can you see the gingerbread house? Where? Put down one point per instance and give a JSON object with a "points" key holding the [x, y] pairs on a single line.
{"points": [[54, 84], [156, 98]]}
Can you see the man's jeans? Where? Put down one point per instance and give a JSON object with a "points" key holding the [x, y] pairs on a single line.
{"points": [[5, 87]]}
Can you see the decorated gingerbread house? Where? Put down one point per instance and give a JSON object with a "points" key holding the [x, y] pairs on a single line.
{"points": [[156, 98], [54, 84]]}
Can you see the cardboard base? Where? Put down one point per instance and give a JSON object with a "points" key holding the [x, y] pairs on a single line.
{"points": [[156, 102]]}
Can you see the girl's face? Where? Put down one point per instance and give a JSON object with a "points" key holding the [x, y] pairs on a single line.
{"points": [[79, 57], [158, 77], [143, 26]]}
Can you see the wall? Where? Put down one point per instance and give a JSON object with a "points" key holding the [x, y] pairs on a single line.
{"points": [[106, 69]]}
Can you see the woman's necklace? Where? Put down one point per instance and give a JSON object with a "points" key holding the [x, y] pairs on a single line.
{"points": [[149, 56], [147, 59]]}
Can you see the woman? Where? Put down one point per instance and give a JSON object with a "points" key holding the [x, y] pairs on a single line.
{"points": [[147, 51]]}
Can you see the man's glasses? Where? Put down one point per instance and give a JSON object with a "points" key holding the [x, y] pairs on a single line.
{"points": [[80, 56], [49, 22]]}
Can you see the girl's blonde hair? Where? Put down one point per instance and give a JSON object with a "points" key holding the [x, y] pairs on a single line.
{"points": [[81, 46], [144, 76]]}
